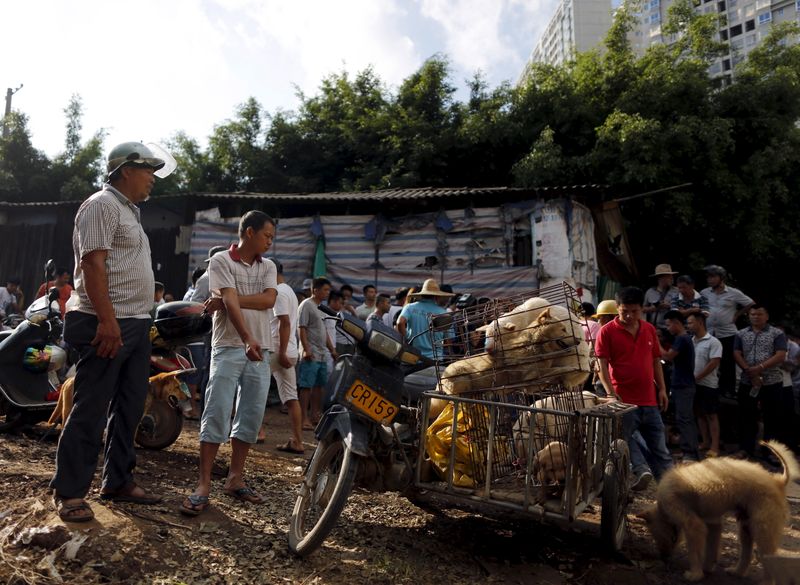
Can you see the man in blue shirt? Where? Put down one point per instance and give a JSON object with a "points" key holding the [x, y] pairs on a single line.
{"points": [[413, 318], [682, 388]]}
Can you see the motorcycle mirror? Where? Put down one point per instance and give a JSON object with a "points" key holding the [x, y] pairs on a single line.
{"points": [[52, 294], [50, 270]]}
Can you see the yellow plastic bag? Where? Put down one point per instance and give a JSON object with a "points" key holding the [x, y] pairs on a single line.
{"points": [[438, 442]]}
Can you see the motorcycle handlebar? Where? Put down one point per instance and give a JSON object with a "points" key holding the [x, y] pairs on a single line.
{"points": [[327, 310]]}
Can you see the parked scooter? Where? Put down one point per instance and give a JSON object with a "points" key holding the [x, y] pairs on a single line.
{"points": [[366, 437], [29, 361], [176, 324]]}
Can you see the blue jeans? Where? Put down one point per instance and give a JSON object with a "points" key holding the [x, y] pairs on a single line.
{"points": [[684, 418], [647, 420]]}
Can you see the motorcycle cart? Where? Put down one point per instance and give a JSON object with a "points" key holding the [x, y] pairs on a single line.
{"points": [[517, 434]]}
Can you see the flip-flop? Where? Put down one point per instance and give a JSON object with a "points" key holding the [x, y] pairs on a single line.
{"points": [[197, 505], [66, 511], [309, 427], [246, 494], [126, 495], [287, 448]]}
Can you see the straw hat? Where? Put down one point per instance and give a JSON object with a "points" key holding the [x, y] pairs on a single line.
{"points": [[663, 269], [607, 307], [430, 288]]}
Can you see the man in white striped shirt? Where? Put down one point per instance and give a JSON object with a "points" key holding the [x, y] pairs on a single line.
{"points": [[110, 329]]}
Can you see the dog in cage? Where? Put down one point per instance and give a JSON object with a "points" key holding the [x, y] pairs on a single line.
{"points": [[535, 344]]}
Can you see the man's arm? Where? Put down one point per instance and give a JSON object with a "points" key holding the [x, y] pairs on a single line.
{"points": [[261, 301], [108, 338], [669, 355], [661, 395], [234, 313], [710, 366], [307, 353], [605, 378], [402, 324], [284, 329]]}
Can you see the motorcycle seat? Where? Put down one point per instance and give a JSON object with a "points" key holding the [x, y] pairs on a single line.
{"points": [[418, 382]]}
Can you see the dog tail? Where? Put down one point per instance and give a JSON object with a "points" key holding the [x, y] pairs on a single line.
{"points": [[791, 470]]}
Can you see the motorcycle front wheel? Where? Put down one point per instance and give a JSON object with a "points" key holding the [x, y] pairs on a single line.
{"points": [[160, 426], [323, 495], [10, 416]]}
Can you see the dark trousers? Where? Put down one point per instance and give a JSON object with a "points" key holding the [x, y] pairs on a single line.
{"points": [[727, 367], [683, 397], [769, 397], [109, 394]]}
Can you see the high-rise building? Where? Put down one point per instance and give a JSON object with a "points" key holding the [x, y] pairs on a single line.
{"points": [[743, 25], [576, 26]]}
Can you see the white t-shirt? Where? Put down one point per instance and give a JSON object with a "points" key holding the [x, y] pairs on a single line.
{"points": [[705, 349], [285, 304]]}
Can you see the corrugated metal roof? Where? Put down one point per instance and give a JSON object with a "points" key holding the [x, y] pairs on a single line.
{"points": [[366, 196]]}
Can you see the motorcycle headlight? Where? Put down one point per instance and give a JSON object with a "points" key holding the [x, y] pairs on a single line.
{"points": [[384, 345]]}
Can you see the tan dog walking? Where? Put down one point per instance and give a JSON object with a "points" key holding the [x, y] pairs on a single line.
{"points": [[691, 499]]}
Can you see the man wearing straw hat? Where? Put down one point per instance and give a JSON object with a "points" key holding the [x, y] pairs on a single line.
{"points": [[413, 318], [658, 299]]}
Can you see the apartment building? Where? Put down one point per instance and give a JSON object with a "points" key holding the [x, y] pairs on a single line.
{"points": [[743, 24], [576, 26]]}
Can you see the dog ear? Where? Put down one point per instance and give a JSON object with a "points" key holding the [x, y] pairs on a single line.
{"points": [[509, 326], [544, 316], [648, 514]]}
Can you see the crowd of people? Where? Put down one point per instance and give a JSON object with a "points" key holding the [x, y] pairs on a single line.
{"points": [[263, 329], [673, 349]]}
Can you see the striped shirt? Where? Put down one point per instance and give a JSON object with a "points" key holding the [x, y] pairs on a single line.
{"points": [[109, 221], [228, 270]]}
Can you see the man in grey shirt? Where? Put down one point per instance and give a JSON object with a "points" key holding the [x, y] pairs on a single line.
{"points": [[725, 304], [658, 299], [312, 372], [110, 329]]}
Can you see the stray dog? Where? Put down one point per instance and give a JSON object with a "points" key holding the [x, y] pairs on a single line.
{"points": [[691, 499], [164, 386], [551, 463]]}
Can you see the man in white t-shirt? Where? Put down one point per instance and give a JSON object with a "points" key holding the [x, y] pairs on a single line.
{"points": [[707, 357], [283, 323]]}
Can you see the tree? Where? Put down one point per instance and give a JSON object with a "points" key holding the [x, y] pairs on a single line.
{"points": [[23, 168], [78, 171]]}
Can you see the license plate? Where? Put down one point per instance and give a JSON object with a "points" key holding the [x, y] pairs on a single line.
{"points": [[375, 406]]}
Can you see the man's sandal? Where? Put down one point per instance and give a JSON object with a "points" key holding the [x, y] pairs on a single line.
{"points": [[196, 505], [127, 494], [76, 512], [246, 494]]}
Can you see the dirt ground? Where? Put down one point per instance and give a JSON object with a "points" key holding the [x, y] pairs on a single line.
{"points": [[381, 538]]}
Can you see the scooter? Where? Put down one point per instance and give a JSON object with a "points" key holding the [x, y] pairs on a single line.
{"points": [[29, 361], [366, 436]]}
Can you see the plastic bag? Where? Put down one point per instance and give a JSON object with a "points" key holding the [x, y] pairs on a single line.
{"points": [[438, 442]]}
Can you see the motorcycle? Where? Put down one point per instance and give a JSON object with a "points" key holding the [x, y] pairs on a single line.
{"points": [[366, 436], [29, 361], [175, 325]]}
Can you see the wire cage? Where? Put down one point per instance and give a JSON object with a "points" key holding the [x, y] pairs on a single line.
{"points": [[510, 423], [525, 342]]}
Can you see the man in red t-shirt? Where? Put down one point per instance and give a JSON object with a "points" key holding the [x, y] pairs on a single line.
{"points": [[630, 370], [62, 284]]}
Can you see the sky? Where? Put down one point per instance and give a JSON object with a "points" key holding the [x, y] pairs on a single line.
{"points": [[149, 68]]}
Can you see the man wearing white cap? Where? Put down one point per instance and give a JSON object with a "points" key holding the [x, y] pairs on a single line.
{"points": [[413, 318], [658, 299]]}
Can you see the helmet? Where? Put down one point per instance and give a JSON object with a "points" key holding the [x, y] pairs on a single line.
{"points": [[133, 153], [607, 307], [58, 357], [714, 270], [181, 320], [37, 360]]}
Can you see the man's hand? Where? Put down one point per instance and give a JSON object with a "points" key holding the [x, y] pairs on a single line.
{"points": [[252, 349], [334, 355], [308, 355], [107, 339], [663, 399], [214, 304], [284, 360]]}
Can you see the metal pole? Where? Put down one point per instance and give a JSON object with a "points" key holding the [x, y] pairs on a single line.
{"points": [[9, 93]]}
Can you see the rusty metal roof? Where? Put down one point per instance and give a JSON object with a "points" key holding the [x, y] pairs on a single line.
{"points": [[383, 195]]}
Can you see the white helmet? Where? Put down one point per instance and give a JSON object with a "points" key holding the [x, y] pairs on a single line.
{"points": [[138, 154]]}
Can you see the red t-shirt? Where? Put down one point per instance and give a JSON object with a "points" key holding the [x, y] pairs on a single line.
{"points": [[630, 360]]}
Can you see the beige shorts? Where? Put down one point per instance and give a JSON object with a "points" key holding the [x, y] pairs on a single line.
{"points": [[285, 378]]}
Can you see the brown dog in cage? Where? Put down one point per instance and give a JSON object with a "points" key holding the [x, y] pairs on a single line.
{"points": [[551, 463], [524, 347]]}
